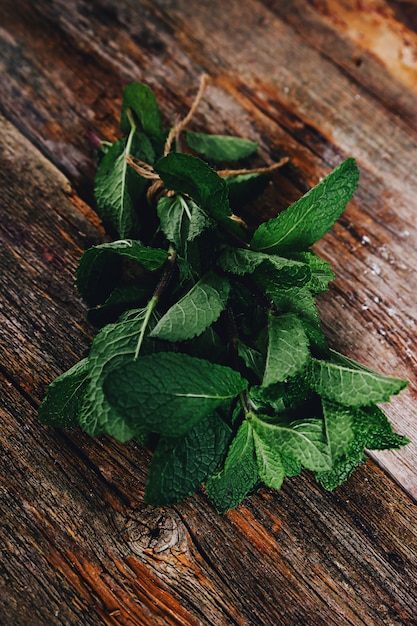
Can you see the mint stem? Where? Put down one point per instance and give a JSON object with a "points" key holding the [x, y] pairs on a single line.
{"points": [[234, 356], [131, 133], [149, 310], [166, 274], [153, 302]]}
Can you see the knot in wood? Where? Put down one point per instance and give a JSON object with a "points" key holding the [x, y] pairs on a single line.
{"points": [[157, 533]]}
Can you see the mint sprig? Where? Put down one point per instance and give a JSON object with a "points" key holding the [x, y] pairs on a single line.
{"points": [[210, 349]]}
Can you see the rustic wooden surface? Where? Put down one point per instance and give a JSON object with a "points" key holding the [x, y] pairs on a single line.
{"points": [[317, 80]]}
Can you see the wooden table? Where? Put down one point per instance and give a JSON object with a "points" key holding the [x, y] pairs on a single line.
{"points": [[316, 80]]}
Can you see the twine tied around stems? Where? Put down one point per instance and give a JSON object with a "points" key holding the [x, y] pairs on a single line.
{"points": [[157, 187]]}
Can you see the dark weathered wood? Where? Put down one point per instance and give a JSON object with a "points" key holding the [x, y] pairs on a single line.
{"points": [[372, 41], [78, 545]]}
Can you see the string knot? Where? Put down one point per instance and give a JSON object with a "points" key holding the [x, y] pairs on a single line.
{"points": [[145, 170]]}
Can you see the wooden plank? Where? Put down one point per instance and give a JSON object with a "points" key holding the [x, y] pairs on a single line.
{"points": [[40, 249], [77, 544], [361, 38]]}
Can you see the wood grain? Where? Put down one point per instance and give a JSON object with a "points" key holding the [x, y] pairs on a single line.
{"points": [[78, 545]]}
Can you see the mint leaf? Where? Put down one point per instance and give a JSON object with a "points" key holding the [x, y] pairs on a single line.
{"points": [[301, 302], [121, 298], [62, 401], [309, 218], [339, 422], [288, 348], [292, 467], [220, 147], [208, 346], [379, 432], [244, 188], [141, 100], [350, 430], [172, 213], [199, 222], [299, 399], [170, 393], [349, 386], [268, 400], [342, 469], [150, 258], [346, 451], [303, 440], [100, 266], [189, 175], [269, 463], [142, 150], [181, 220], [116, 187], [181, 465], [253, 359], [114, 345], [320, 270], [341, 359], [230, 486], [194, 312], [280, 271]]}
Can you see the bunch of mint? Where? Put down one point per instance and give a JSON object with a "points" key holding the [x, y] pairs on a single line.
{"points": [[210, 350]]}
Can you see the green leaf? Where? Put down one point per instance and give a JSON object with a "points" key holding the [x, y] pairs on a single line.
{"points": [[180, 466], [269, 462], [299, 398], [252, 358], [140, 99], [292, 467], [339, 423], [277, 270], [196, 311], [121, 298], [341, 359], [172, 214], [342, 470], [181, 220], [244, 188], [309, 218], [208, 346], [302, 439], [346, 451], [113, 346], [116, 189], [268, 400], [350, 430], [150, 258], [321, 271], [199, 222], [379, 432], [288, 348], [61, 403], [301, 302], [100, 266], [220, 147], [170, 393], [186, 174], [230, 486], [350, 386]]}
